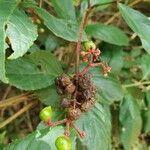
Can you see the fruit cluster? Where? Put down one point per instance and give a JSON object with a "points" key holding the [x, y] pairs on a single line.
{"points": [[78, 94], [79, 97], [91, 55]]}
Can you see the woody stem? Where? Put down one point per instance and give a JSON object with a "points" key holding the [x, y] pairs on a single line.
{"points": [[78, 47]]}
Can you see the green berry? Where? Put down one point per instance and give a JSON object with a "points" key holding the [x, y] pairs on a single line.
{"points": [[89, 44], [46, 113], [63, 143]]}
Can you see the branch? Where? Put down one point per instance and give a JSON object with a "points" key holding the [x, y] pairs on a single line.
{"points": [[78, 47], [136, 84], [16, 99], [17, 114]]}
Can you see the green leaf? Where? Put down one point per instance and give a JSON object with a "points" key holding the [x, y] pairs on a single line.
{"points": [[18, 31], [107, 33], [113, 54], [6, 9], [135, 52], [49, 96], [32, 72], [116, 56], [102, 4], [98, 2], [97, 125], [130, 119], [2, 146], [52, 42], [61, 28], [146, 114], [148, 99], [108, 88], [61, 7], [2, 137], [146, 120], [2, 54], [139, 23], [145, 66], [21, 33], [40, 139]]}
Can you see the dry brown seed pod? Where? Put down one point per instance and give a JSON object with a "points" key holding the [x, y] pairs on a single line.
{"points": [[63, 80], [65, 102], [74, 113], [70, 88], [87, 105]]}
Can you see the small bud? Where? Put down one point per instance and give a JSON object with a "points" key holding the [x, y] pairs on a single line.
{"points": [[82, 134], [105, 74], [97, 52], [85, 59], [108, 69], [38, 21], [83, 53], [41, 30]]}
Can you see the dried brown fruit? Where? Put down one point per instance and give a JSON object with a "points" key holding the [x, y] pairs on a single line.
{"points": [[74, 113], [65, 102], [87, 105], [70, 88]]}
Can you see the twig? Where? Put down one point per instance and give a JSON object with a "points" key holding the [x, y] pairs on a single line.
{"points": [[136, 84], [78, 47], [40, 3], [82, 134], [6, 92], [14, 100], [21, 111], [29, 123], [89, 66], [53, 124], [8, 89]]}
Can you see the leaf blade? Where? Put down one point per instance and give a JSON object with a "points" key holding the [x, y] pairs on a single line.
{"points": [[96, 124], [62, 28], [21, 33], [130, 119], [108, 89], [61, 7], [33, 72], [38, 140], [6, 9], [107, 33], [139, 23]]}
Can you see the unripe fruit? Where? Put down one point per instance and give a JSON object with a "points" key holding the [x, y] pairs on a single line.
{"points": [[63, 143], [89, 44], [46, 113]]}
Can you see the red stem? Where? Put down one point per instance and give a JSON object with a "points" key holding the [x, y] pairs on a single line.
{"points": [[52, 124], [89, 66], [78, 47]]}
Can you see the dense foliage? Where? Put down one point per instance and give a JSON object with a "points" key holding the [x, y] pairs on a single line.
{"points": [[37, 42]]}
